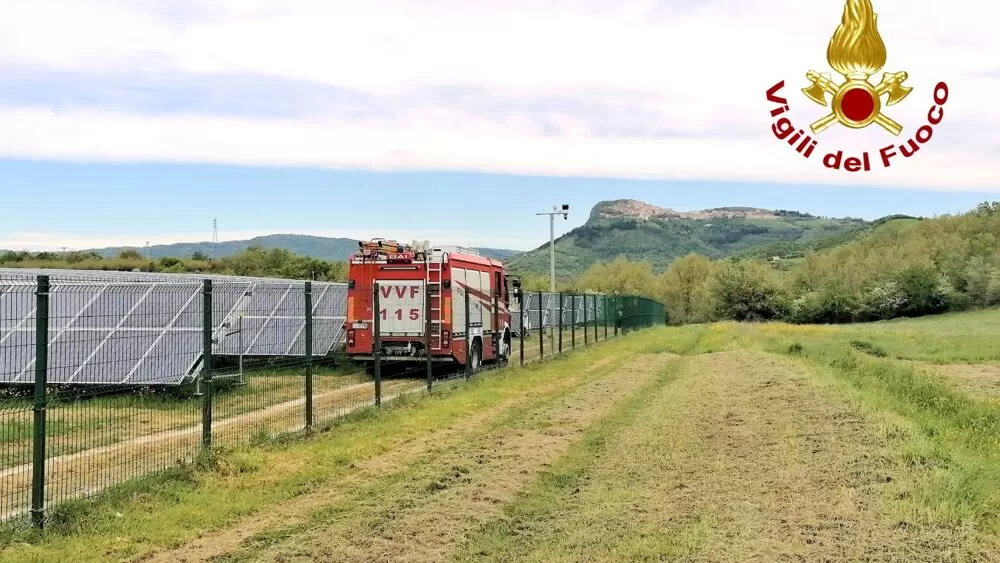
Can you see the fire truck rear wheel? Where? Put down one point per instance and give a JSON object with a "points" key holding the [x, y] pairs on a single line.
{"points": [[505, 349], [476, 355]]}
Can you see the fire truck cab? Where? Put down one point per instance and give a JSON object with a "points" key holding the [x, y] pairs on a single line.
{"points": [[418, 289]]}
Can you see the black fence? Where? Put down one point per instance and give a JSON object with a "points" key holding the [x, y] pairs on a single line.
{"points": [[102, 382]]}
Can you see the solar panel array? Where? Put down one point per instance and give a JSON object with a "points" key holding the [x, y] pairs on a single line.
{"points": [[132, 328], [146, 329], [549, 304]]}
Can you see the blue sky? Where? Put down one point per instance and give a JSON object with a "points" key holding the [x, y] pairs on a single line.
{"points": [[127, 204], [144, 120]]}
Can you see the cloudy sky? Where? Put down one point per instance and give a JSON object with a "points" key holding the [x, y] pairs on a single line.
{"points": [[233, 97]]}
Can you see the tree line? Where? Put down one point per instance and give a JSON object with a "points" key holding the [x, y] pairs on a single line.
{"points": [[254, 261], [901, 269]]}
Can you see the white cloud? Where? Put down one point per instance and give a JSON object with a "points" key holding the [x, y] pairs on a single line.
{"points": [[699, 67]]}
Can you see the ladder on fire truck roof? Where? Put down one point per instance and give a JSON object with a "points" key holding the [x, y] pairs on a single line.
{"points": [[433, 269]]}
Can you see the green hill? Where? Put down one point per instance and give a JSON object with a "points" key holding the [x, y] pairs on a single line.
{"points": [[639, 231], [797, 249]]}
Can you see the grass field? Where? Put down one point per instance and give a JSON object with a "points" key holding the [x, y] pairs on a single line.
{"points": [[723, 442], [95, 442]]}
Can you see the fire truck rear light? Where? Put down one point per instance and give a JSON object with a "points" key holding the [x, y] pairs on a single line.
{"points": [[350, 337]]}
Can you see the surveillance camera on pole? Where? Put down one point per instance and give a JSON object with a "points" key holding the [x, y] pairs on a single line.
{"points": [[556, 210]]}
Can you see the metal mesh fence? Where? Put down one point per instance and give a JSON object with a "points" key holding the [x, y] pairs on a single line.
{"points": [[16, 409], [109, 377]]}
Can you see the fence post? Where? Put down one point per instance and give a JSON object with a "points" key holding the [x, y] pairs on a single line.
{"points": [[586, 334], [572, 322], [495, 326], [521, 311], [428, 328], [309, 356], [560, 320], [468, 338], [41, 402], [617, 315], [595, 318], [541, 327], [604, 308], [206, 365], [377, 343]]}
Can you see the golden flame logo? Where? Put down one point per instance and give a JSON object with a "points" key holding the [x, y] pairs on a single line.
{"points": [[856, 46], [856, 51]]}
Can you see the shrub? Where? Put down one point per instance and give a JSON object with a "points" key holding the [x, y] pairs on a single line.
{"points": [[129, 255], [869, 348], [884, 301], [925, 290], [747, 290], [805, 308], [829, 305], [169, 262]]}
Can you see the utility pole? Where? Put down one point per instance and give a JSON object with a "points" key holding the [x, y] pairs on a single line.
{"points": [[556, 210]]}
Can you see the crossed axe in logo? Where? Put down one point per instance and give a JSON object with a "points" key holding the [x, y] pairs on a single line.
{"points": [[856, 103]]}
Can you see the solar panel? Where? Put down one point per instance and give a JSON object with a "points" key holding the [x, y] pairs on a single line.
{"points": [[161, 363], [113, 360], [271, 320], [146, 329]]}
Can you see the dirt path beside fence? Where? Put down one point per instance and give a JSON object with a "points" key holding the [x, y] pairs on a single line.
{"points": [[84, 473]]}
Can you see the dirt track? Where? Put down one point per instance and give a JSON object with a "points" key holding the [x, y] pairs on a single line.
{"points": [[84, 473]]}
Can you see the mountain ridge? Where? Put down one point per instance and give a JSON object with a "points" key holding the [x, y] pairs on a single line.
{"points": [[640, 231], [640, 210], [325, 248]]}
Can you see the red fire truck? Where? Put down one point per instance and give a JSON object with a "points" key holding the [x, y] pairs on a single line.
{"points": [[414, 280]]}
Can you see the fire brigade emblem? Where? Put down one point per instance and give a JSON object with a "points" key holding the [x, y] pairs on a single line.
{"points": [[857, 52]]}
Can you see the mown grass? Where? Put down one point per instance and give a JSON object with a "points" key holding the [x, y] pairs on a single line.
{"points": [[948, 437], [952, 338], [533, 514], [939, 425], [444, 482], [941, 447], [170, 508]]}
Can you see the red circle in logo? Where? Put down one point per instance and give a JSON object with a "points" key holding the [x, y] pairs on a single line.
{"points": [[857, 104]]}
